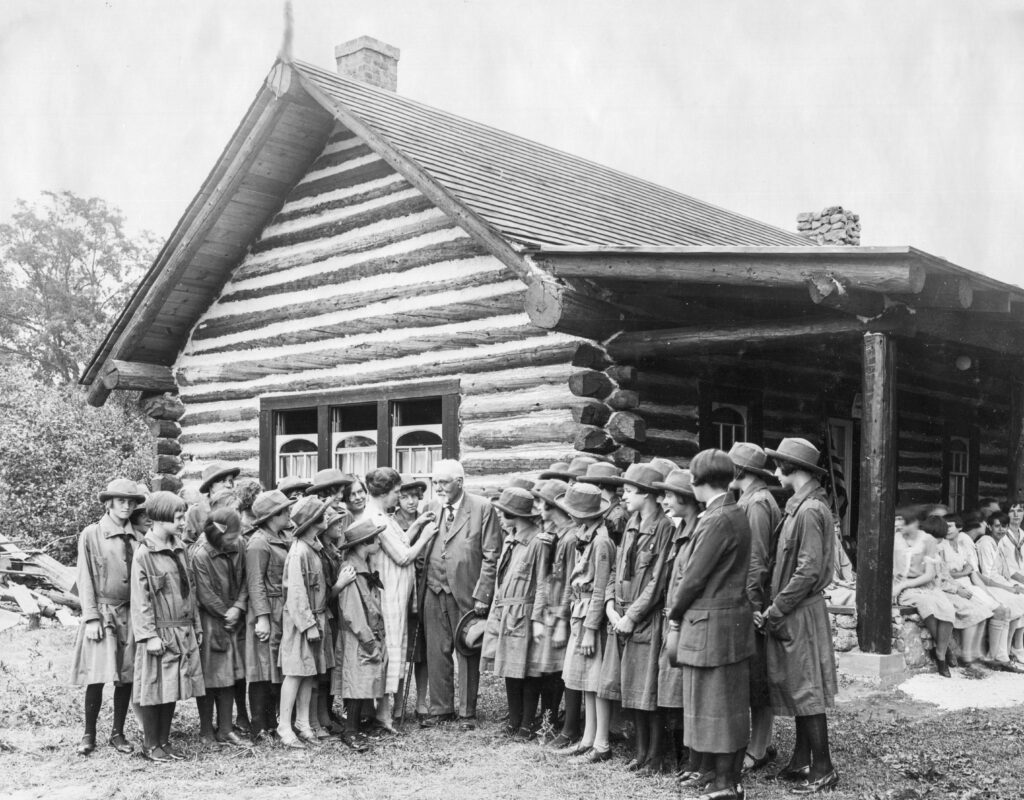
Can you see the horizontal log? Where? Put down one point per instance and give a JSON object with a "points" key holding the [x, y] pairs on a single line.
{"points": [[591, 412], [542, 427], [556, 307], [943, 291], [238, 414], [61, 598], [591, 439], [651, 344], [488, 462], [135, 375], [677, 445], [97, 393], [590, 356], [624, 456], [624, 375], [375, 170], [168, 464], [590, 383], [627, 428], [622, 399], [164, 428], [542, 397], [666, 386], [515, 379], [168, 447], [880, 273], [535, 352], [167, 483], [973, 330], [234, 435], [830, 292], [162, 406], [664, 415]]}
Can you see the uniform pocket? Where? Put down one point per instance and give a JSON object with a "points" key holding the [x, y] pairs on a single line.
{"points": [[515, 620], [694, 633], [644, 631]]}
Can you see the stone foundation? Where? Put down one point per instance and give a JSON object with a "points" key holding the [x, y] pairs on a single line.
{"points": [[909, 637]]}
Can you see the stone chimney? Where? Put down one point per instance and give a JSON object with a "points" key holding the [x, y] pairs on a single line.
{"points": [[369, 60], [832, 226]]}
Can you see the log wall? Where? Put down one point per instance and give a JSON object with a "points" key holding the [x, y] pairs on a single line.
{"points": [[360, 282]]}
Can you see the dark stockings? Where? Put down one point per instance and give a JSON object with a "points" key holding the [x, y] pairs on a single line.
{"points": [[532, 689], [815, 736], [514, 696], [122, 702], [150, 718], [573, 706], [655, 747], [93, 704], [205, 705], [225, 699], [727, 769], [166, 716], [241, 713], [352, 710], [551, 696], [259, 692], [643, 736]]}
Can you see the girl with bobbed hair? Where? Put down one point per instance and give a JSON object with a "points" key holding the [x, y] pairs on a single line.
{"points": [[396, 565]]}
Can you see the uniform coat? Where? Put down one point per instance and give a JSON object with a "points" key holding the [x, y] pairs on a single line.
{"points": [[801, 662], [670, 678], [305, 609], [160, 607], [460, 565], [364, 647], [716, 638], [220, 586], [588, 587], [764, 518], [105, 552], [265, 553], [509, 649], [641, 572], [554, 599]]}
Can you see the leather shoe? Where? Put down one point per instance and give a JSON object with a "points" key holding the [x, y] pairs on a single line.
{"points": [[696, 780], [728, 793], [231, 738], [825, 783], [579, 749], [156, 754], [942, 668], [756, 763], [173, 751], [524, 735], [636, 764], [596, 756], [353, 742], [791, 773], [560, 741], [87, 745], [120, 744], [434, 720], [467, 723], [951, 659]]}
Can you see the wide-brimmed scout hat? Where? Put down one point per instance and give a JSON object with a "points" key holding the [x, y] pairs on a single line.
{"points": [[663, 465], [549, 490], [519, 482], [226, 519], [224, 498], [679, 481], [798, 452], [515, 502], [602, 473], [327, 478], [122, 487], [336, 519], [269, 504], [307, 512], [583, 501], [469, 634], [361, 531], [643, 476], [293, 483], [217, 471], [409, 482], [580, 464], [559, 469], [750, 457]]}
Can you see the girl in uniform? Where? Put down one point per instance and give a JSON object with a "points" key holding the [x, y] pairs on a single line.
{"points": [[997, 575], [635, 610], [305, 650], [222, 595], [511, 646], [105, 646], [607, 477], [589, 583], [168, 667]]}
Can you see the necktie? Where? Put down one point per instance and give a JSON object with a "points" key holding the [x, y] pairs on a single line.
{"points": [[449, 516], [182, 574], [127, 557]]}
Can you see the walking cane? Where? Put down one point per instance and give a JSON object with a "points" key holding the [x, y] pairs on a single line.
{"points": [[421, 589]]}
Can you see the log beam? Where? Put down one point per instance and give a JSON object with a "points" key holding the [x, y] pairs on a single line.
{"points": [[135, 376], [991, 302], [943, 291], [830, 292], [558, 307], [590, 356], [882, 273], [627, 428], [878, 487], [968, 329], [591, 439], [591, 383]]}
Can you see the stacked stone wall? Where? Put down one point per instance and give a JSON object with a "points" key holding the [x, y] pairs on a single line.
{"points": [[830, 226]]}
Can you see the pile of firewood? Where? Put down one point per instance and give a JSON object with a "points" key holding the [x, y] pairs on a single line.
{"points": [[34, 585]]}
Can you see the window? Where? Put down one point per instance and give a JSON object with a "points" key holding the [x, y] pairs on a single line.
{"points": [[728, 424], [959, 462], [359, 430]]}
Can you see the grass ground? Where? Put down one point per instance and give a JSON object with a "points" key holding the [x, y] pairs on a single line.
{"points": [[886, 747]]}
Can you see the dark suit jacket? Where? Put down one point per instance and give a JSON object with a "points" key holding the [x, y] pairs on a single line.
{"points": [[711, 600], [471, 547]]}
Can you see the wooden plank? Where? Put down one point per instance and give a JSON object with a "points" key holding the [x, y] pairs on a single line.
{"points": [[877, 498], [27, 603]]}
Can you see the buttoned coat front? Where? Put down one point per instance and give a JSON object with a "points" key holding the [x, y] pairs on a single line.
{"points": [[588, 589], [554, 599], [305, 610], [105, 594], [670, 678], [265, 554], [364, 662], [469, 549], [220, 586]]}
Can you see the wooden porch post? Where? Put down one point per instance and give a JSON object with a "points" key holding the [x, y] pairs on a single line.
{"points": [[1015, 482], [877, 495]]}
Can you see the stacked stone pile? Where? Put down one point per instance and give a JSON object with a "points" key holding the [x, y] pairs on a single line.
{"points": [[832, 225]]}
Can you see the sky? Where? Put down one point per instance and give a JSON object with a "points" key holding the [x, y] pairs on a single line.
{"points": [[910, 114]]}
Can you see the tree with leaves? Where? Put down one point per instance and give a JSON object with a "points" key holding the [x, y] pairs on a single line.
{"points": [[67, 267]]}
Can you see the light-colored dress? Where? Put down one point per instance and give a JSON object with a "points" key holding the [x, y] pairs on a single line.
{"points": [[397, 572], [909, 562], [969, 611], [992, 565], [960, 555]]}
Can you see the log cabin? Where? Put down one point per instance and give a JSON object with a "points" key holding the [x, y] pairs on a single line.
{"points": [[365, 280]]}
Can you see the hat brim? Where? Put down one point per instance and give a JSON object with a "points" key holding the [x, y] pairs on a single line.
{"points": [[510, 511], [313, 488], [651, 487], [301, 486], [273, 513], [361, 539], [460, 645], [421, 485], [668, 487], [543, 497], [220, 475], [610, 480], [603, 509], [562, 476], [138, 498], [798, 462], [309, 523]]}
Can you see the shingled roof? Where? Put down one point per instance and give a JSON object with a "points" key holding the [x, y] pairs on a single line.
{"points": [[534, 194]]}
